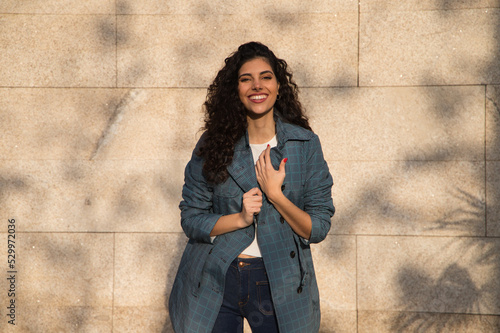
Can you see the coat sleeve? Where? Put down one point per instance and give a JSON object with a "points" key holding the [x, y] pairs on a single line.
{"points": [[197, 217], [317, 191]]}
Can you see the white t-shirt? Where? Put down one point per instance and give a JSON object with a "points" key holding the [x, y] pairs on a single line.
{"points": [[253, 249]]}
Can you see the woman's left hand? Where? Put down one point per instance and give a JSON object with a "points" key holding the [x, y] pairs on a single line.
{"points": [[270, 180]]}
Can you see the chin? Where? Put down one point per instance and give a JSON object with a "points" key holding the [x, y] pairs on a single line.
{"points": [[255, 114]]}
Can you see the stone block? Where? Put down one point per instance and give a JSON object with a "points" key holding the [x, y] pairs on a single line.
{"points": [[62, 319], [493, 195], [57, 51], [94, 124], [493, 123], [58, 7], [420, 5], [338, 321], [217, 7], [79, 196], [154, 124], [429, 47], [65, 283], [54, 123], [406, 124], [189, 50], [379, 321], [429, 274], [409, 198], [335, 266], [141, 319], [140, 295]]}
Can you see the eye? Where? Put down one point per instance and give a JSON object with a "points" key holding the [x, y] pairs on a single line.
{"points": [[267, 78], [245, 79]]}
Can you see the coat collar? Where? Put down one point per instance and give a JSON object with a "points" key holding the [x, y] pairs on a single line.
{"points": [[284, 133], [242, 169]]}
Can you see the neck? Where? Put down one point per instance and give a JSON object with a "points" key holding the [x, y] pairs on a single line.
{"points": [[261, 129]]}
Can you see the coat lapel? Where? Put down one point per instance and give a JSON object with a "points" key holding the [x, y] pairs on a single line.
{"points": [[242, 170]]}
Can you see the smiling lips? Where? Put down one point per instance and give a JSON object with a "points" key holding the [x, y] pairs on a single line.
{"points": [[258, 98]]}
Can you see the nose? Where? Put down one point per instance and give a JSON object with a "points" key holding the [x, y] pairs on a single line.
{"points": [[256, 84]]}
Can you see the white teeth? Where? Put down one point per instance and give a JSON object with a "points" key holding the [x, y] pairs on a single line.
{"points": [[258, 97]]}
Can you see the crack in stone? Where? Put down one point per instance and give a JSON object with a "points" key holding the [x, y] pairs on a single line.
{"points": [[113, 122]]}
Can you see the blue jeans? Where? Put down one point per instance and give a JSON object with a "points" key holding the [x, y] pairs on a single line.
{"points": [[246, 294]]}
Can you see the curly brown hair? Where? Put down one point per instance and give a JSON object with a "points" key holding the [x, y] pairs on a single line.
{"points": [[225, 115]]}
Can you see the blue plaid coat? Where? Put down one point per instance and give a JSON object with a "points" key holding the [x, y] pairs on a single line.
{"points": [[198, 288]]}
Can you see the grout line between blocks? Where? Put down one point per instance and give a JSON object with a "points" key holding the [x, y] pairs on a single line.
{"points": [[356, 291], [113, 286], [116, 46], [205, 87], [485, 162], [359, 35]]}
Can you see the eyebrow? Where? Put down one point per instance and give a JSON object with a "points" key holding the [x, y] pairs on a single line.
{"points": [[261, 73]]}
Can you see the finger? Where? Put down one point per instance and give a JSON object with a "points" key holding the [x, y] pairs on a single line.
{"points": [[252, 201], [282, 165], [252, 207], [265, 150], [258, 167], [256, 193], [263, 157], [269, 164], [256, 207], [268, 154], [255, 199], [261, 161], [264, 154], [251, 192]]}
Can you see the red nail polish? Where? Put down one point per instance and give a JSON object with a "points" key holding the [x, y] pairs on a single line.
{"points": [[285, 160], [268, 146]]}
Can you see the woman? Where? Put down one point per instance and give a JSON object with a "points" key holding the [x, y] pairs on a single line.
{"points": [[257, 192]]}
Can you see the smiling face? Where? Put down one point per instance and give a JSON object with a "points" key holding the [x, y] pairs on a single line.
{"points": [[257, 87]]}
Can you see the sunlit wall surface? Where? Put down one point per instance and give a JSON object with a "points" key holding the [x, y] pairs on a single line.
{"points": [[100, 107]]}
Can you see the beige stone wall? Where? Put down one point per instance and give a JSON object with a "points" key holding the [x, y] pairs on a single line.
{"points": [[100, 104]]}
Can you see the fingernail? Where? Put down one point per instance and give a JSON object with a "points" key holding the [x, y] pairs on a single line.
{"points": [[286, 159], [268, 146]]}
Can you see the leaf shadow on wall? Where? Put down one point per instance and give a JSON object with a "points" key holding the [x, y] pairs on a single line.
{"points": [[456, 301]]}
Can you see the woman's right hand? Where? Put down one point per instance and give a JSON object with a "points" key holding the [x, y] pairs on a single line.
{"points": [[252, 202]]}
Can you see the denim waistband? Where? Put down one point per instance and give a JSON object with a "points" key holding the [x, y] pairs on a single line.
{"points": [[248, 263]]}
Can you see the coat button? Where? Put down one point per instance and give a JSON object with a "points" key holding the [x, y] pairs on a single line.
{"points": [[299, 290], [282, 220], [292, 254]]}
